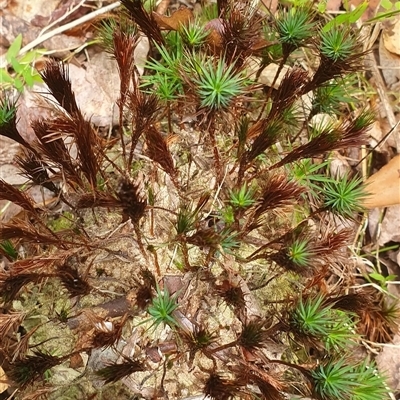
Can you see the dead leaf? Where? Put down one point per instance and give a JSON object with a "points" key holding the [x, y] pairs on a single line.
{"points": [[267, 75], [384, 185], [214, 38], [386, 230], [140, 54], [391, 140], [333, 5], [180, 17], [12, 26], [261, 44], [376, 135], [339, 165], [11, 174], [30, 107], [175, 284], [95, 95], [390, 63], [388, 362], [3, 378], [391, 36], [271, 5], [76, 361], [162, 6], [8, 149], [62, 14], [27, 10]]}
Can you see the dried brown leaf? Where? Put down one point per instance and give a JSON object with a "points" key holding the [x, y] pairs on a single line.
{"points": [[55, 75], [16, 196], [25, 231], [384, 186], [180, 17], [146, 22], [158, 151], [97, 199]]}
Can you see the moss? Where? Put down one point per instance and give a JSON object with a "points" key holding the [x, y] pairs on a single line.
{"points": [[205, 209], [63, 222]]}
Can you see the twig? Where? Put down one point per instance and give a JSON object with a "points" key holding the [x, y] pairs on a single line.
{"points": [[217, 194], [64, 28], [382, 92], [377, 287], [163, 6], [69, 12], [393, 346], [380, 85]]}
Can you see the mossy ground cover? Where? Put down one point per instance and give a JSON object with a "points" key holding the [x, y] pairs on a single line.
{"points": [[201, 249]]}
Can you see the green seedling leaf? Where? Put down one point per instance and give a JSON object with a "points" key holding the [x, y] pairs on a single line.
{"points": [[322, 6], [300, 3], [378, 277], [356, 14], [5, 76], [37, 78], [9, 249], [19, 85], [28, 76], [386, 4], [14, 49], [29, 57], [18, 68], [162, 307], [347, 18], [382, 279], [386, 15]]}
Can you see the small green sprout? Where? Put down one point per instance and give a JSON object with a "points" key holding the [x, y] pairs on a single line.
{"points": [[338, 43], [294, 27], [108, 29], [228, 215], [230, 241], [310, 175], [24, 74], [217, 85], [185, 220], [309, 317], [202, 338], [198, 339], [9, 250], [299, 253], [167, 89], [344, 195], [371, 385], [193, 34], [318, 321], [253, 335], [242, 197], [8, 110], [162, 307], [336, 379], [166, 81], [331, 97]]}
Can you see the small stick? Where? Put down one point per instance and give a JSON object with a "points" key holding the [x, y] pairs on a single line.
{"points": [[64, 28], [381, 88], [163, 6], [69, 12]]}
